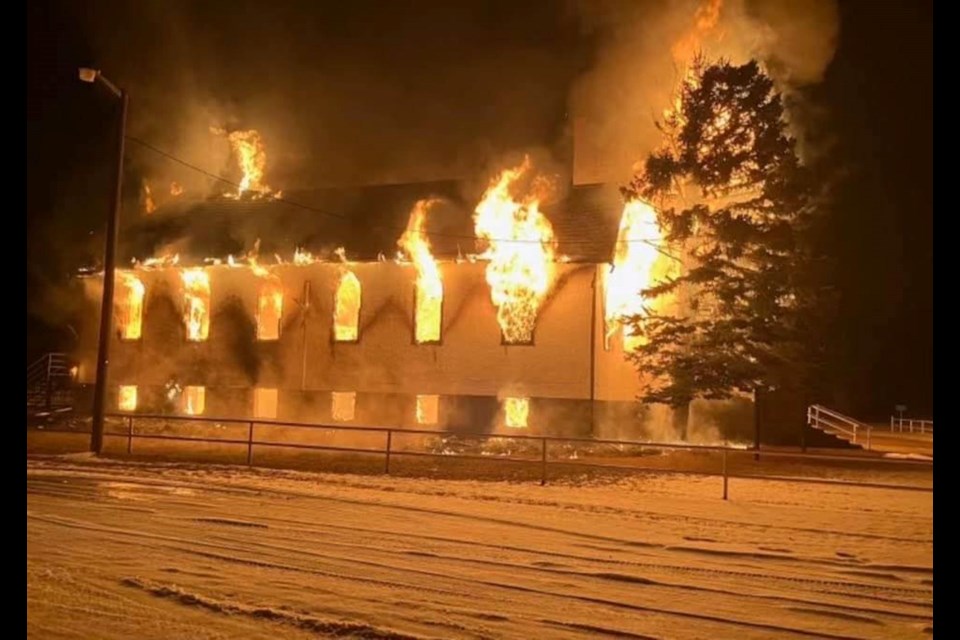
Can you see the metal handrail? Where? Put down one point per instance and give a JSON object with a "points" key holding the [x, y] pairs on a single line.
{"points": [[897, 423], [822, 418]]}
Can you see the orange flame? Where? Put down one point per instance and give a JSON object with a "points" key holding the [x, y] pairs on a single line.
{"points": [[637, 263], [148, 204], [429, 295], [175, 189], [705, 19], [129, 305], [248, 148], [269, 310], [520, 248], [346, 313], [196, 292]]}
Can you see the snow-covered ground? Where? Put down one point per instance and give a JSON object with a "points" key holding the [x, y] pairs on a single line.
{"points": [[120, 549]]}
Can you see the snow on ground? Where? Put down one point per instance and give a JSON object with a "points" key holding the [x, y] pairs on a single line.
{"points": [[120, 549]]}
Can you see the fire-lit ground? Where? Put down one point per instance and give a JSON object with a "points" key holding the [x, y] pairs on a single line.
{"points": [[119, 549]]}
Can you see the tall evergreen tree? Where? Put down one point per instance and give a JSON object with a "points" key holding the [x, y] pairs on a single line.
{"points": [[742, 212]]}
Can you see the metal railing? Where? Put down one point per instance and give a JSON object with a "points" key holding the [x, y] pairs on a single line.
{"points": [[538, 454], [899, 424], [830, 421], [48, 379]]}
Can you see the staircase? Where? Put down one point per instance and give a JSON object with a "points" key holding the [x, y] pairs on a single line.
{"points": [[841, 427], [49, 384]]}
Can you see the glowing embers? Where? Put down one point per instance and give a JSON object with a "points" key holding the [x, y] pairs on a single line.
{"points": [[127, 397], [520, 249], [269, 310], [428, 409], [128, 305], [516, 412], [343, 405], [346, 312], [196, 299], [265, 403], [193, 400], [428, 302]]}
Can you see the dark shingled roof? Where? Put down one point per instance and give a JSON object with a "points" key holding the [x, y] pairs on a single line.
{"points": [[367, 221]]}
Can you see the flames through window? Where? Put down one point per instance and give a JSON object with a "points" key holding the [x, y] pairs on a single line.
{"points": [[269, 310], [196, 298], [346, 313], [129, 305], [428, 299]]}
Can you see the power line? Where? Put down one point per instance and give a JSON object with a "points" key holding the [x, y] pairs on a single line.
{"points": [[299, 205]]}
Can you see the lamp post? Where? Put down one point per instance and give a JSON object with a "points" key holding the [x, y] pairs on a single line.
{"points": [[109, 264]]}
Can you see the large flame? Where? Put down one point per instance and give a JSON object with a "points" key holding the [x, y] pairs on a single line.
{"points": [[248, 148], [196, 295], [269, 309], [520, 248], [429, 296], [127, 397], [705, 23], [346, 313], [637, 263], [516, 412], [129, 305]]}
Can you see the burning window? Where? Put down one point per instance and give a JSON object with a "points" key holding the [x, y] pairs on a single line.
{"points": [[638, 263], [196, 298], [346, 313], [265, 403], [128, 305], [343, 405], [269, 311], [515, 412], [519, 249], [194, 399], [427, 409], [127, 397], [428, 299]]}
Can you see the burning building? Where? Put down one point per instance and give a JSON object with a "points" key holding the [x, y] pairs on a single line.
{"points": [[517, 331]]}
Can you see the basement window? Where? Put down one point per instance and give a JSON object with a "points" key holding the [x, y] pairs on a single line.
{"points": [[265, 403], [194, 400], [128, 305], [427, 409], [346, 312], [516, 411], [127, 397], [269, 312], [343, 405]]}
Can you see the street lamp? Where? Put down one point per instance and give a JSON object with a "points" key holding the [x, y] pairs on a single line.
{"points": [[109, 264]]}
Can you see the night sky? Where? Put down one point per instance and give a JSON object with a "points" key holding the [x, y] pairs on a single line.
{"points": [[365, 92]]}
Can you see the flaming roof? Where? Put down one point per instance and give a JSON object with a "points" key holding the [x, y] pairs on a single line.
{"points": [[367, 221]]}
